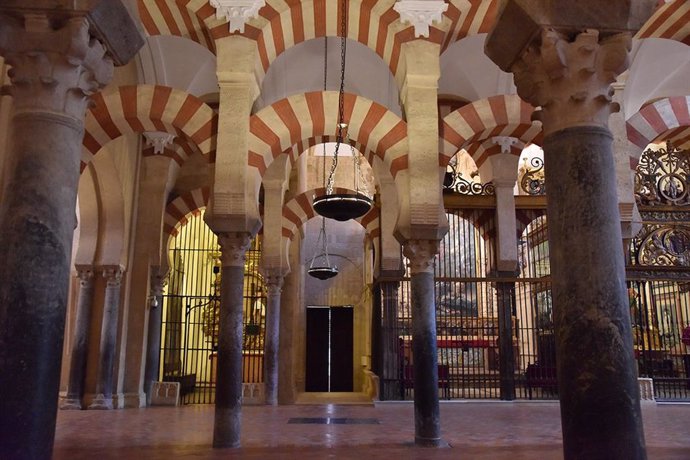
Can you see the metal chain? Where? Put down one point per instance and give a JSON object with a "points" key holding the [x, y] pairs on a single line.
{"points": [[341, 97]]}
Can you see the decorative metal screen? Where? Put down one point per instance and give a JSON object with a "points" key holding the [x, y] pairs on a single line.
{"points": [[191, 305]]}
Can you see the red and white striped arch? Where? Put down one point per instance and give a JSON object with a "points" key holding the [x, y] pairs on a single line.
{"points": [[285, 23], [303, 118], [480, 18], [503, 115], [658, 120], [482, 151], [298, 210], [524, 217], [142, 108], [182, 18], [671, 20], [179, 152], [177, 210]]}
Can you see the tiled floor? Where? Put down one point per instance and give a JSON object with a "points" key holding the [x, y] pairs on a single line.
{"points": [[474, 430]]}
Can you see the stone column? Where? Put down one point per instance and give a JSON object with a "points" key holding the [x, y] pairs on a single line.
{"points": [[392, 365], [427, 422], [505, 294], [227, 422], [153, 344], [77, 367], [53, 73], [274, 284], [106, 351], [569, 75]]}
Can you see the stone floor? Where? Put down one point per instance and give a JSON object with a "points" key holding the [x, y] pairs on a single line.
{"points": [[474, 430]]}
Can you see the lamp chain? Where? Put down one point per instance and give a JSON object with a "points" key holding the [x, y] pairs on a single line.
{"points": [[341, 97]]}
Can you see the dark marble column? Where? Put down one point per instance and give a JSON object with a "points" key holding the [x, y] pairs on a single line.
{"points": [[596, 367], [567, 73], [274, 284], [153, 339], [505, 293], [53, 72], [77, 367], [228, 416], [427, 419], [106, 352], [392, 360]]}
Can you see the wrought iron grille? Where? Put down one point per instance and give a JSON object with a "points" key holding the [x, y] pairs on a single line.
{"points": [[191, 306], [663, 177], [454, 181], [532, 180]]}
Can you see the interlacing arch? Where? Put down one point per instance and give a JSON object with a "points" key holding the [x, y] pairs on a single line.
{"points": [[144, 108], [666, 119], [299, 118], [671, 21], [503, 115]]}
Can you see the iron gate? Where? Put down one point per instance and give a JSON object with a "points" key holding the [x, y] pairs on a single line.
{"points": [[191, 303]]}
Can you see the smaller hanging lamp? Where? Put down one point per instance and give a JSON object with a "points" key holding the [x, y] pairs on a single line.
{"points": [[350, 204], [320, 266]]}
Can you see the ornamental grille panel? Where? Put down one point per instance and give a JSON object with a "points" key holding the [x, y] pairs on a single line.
{"points": [[470, 299], [191, 305]]}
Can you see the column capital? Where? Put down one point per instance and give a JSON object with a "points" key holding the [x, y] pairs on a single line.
{"points": [[421, 254], [274, 284], [113, 275], [85, 273], [233, 248], [158, 282], [237, 12], [570, 77], [53, 70]]}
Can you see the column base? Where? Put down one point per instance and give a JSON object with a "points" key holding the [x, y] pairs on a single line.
{"points": [[101, 402], [430, 442], [119, 401], [134, 400], [71, 404]]}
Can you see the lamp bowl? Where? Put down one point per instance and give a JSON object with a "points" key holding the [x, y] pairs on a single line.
{"points": [[342, 206]]}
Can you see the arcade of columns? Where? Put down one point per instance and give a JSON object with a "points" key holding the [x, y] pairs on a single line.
{"points": [[57, 65]]}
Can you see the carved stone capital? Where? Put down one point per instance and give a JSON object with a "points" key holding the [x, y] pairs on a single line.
{"points": [[237, 12], [421, 14], [53, 70], [571, 78], [274, 284], [85, 275], [420, 254], [158, 283], [233, 248], [113, 275], [159, 141]]}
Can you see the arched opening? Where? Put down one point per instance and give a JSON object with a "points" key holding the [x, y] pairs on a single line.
{"points": [[191, 308]]}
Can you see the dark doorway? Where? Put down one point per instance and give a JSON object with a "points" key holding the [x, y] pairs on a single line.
{"points": [[329, 349]]}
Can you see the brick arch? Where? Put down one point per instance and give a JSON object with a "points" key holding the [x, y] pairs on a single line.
{"points": [[503, 115], [377, 131], [177, 210], [524, 217], [658, 120], [141, 108], [182, 18], [671, 21]]}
